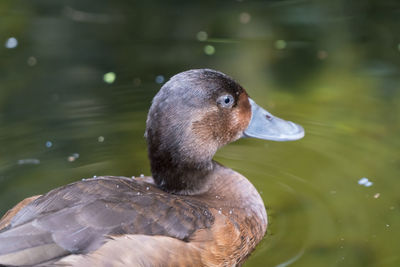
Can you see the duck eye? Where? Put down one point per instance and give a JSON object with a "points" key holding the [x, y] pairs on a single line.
{"points": [[226, 101]]}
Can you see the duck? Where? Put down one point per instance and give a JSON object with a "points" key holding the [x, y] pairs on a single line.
{"points": [[192, 211]]}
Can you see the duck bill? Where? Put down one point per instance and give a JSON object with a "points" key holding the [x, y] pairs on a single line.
{"points": [[264, 125]]}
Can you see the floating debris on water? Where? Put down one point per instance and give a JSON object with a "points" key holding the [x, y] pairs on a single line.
{"points": [[141, 175], [365, 182], [109, 77], [11, 43], [49, 144], [133, 177], [100, 139], [28, 161], [94, 176], [159, 79], [377, 195]]}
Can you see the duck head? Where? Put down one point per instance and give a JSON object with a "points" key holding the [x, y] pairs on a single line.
{"points": [[195, 113]]}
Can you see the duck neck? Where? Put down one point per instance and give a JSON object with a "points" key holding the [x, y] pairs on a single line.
{"points": [[177, 174]]}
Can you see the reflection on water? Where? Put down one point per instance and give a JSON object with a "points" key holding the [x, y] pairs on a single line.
{"points": [[77, 81]]}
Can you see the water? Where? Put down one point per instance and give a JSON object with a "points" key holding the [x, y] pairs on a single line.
{"points": [[78, 77]]}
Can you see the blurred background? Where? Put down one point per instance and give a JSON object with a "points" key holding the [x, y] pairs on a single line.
{"points": [[77, 79]]}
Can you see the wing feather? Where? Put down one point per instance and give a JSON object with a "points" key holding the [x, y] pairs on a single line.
{"points": [[78, 217]]}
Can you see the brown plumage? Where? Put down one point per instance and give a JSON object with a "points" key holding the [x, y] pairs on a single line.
{"points": [[192, 212], [6, 219]]}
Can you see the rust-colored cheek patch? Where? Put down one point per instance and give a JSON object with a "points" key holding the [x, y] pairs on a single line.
{"points": [[244, 114], [207, 128]]}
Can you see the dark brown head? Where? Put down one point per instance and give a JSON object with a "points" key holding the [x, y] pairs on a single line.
{"points": [[195, 113]]}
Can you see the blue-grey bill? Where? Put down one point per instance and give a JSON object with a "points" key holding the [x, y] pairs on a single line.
{"points": [[266, 126]]}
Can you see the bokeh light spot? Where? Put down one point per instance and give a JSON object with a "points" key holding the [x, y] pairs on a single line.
{"points": [[109, 77], [202, 36], [244, 17], [73, 157], [160, 79], [137, 81], [209, 50], [280, 44], [11, 42], [32, 61], [322, 54]]}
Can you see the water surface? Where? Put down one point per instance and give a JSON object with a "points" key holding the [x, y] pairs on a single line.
{"points": [[78, 78]]}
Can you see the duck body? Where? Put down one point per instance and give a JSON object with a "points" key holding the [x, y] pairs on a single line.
{"points": [[191, 212]]}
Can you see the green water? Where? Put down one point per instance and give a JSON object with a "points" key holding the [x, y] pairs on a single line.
{"points": [[331, 66]]}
